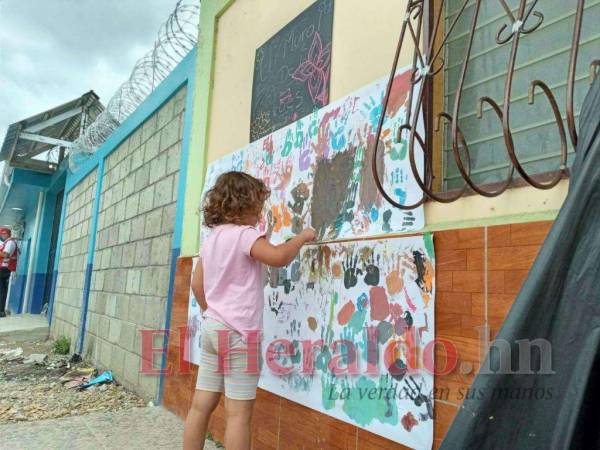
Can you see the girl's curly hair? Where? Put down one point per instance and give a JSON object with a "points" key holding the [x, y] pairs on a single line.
{"points": [[234, 197]]}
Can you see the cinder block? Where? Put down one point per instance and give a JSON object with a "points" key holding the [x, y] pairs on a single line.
{"points": [[122, 306], [161, 249], [89, 344], [147, 286], [104, 327], [132, 368], [111, 305], [117, 362], [101, 258], [158, 168], [147, 199], [169, 135], [162, 280], [154, 313], [104, 352], [137, 228], [168, 218], [128, 255], [135, 140], [115, 331], [142, 176], [137, 159], [109, 275], [180, 127], [173, 158], [132, 206], [164, 192], [119, 211], [135, 308], [92, 323], [124, 232], [120, 282], [165, 114], [179, 103], [175, 187], [149, 128], [118, 190], [128, 185], [153, 223], [125, 170], [92, 301], [98, 281], [142, 253], [133, 281], [151, 148], [116, 258], [110, 215], [127, 338]]}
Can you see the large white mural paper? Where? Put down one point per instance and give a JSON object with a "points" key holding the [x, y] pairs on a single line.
{"points": [[319, 168], [368, 307], [191, 352], [362, 315]]}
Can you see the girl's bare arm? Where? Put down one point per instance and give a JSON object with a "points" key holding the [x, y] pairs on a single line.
{"points": [[198, 286], [283, 254]]}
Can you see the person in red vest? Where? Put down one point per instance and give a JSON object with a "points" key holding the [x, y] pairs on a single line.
{"points": [[8, 264]]}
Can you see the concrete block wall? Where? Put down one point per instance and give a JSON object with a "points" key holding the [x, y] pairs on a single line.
{"points": [[132, 260], [73, 260]]}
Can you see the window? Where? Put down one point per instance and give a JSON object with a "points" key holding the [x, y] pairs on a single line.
{"points": [[543, 54]]}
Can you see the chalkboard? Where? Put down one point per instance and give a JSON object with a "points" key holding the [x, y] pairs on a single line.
{"points": [[291, 71]]}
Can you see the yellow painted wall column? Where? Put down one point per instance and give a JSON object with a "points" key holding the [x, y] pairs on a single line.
{"points": [[210, 11]]}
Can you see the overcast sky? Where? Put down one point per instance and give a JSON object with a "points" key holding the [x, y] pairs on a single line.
{"points": [[52, 51]]}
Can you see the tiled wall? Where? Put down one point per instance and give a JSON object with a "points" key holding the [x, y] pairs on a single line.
{"points": [[479, 272], [73, 260]]}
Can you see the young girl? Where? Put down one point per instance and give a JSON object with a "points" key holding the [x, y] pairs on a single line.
{"points": [[228, 284]]}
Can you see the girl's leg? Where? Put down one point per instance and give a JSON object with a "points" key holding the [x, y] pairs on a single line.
{"points": [[239, 417], [196, 423]]}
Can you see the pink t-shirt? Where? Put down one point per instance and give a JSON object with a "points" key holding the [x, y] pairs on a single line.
{"points": [[233, 280]]}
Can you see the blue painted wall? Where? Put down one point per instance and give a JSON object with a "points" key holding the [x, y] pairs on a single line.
{"points": [[51, 186]]}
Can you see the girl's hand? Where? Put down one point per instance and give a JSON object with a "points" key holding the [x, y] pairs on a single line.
{"points": [[308, 234]]}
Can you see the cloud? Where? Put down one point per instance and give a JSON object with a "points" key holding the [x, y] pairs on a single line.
{"points": [[52, 51]]}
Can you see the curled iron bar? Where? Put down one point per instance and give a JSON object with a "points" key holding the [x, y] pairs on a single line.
{"points": [[428, 63], [518, 25], [413, 7], [456, 113], [571, 72], [427, 185], [508, 138], [425, 76], [593, 68]]}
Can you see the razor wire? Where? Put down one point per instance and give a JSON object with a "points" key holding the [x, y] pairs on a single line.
{"points": [[177, 36]]}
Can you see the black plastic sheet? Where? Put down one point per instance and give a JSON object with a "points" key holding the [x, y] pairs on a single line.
{"points": [[559, 305]]}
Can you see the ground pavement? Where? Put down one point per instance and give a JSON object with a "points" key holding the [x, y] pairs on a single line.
{"points": [[136, 428]]}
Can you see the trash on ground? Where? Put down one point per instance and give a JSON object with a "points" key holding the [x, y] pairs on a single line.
{"points": [[77, 382], [12, 355], [105, 377], [36, 358], [78, 373], [30, 392]]}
